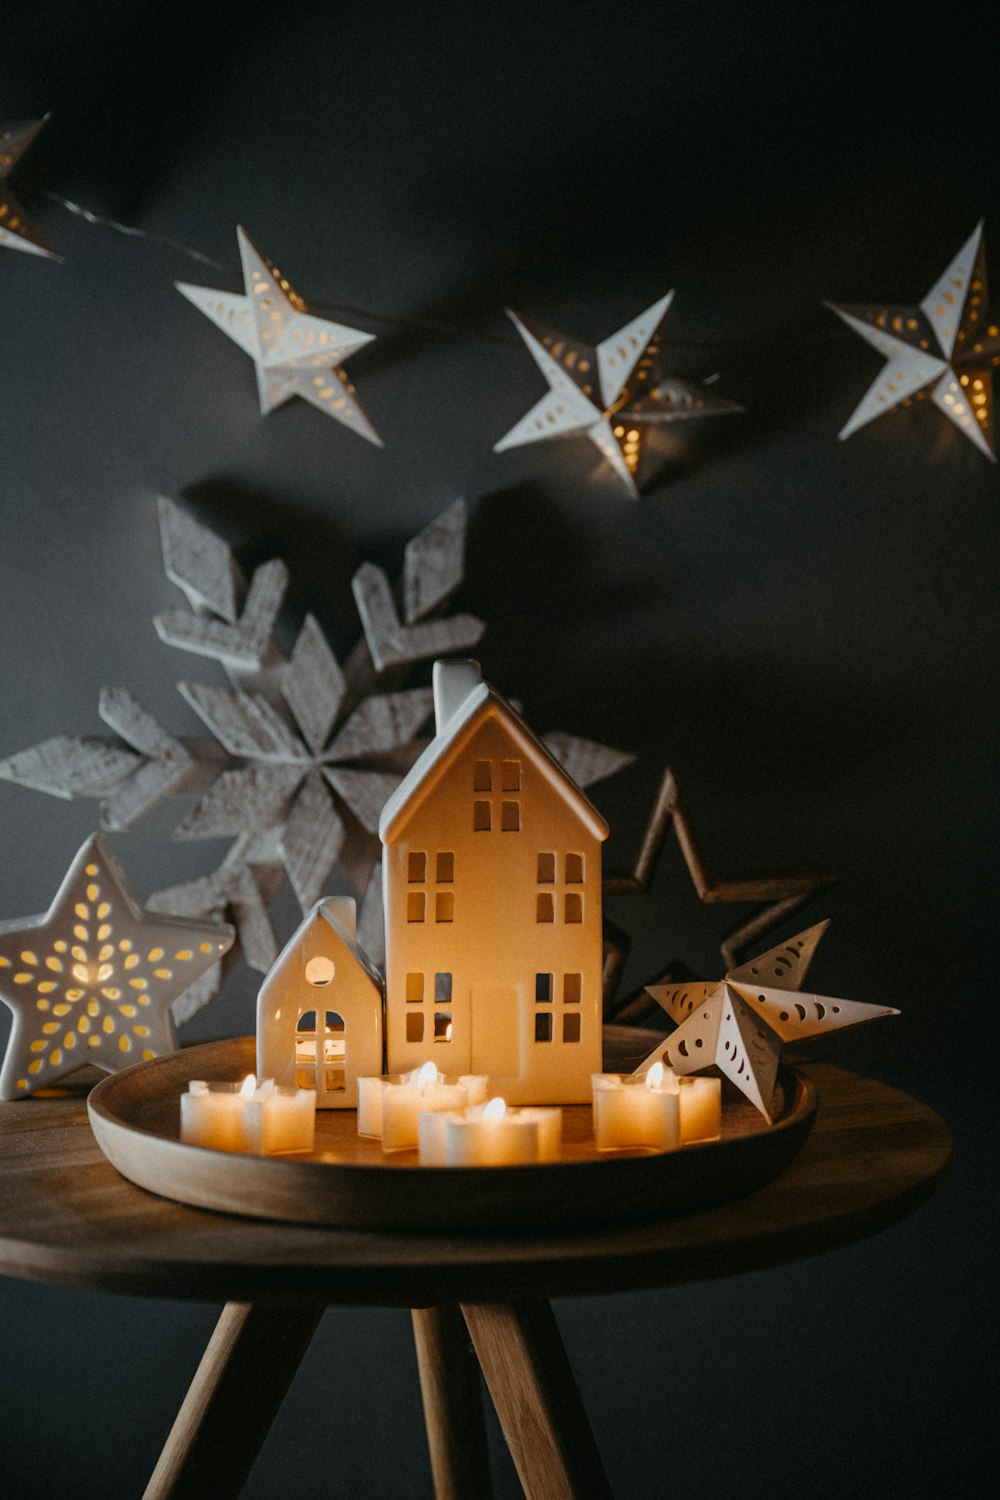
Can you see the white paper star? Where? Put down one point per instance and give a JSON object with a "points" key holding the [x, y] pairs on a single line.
{"points": [[611, 393], [295, 353], [947, 348], [15, 230], [94, 979]]}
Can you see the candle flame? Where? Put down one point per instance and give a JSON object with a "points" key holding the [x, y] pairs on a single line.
{"points": [[655, 1076], [426, 1075], [248, 1086], [495, 1110]]}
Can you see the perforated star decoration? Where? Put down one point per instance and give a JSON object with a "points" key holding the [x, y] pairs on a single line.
{"points": [[740, 1023], [612, 393], [947, 348], [295, 353], [15, 230], [93, 980]]}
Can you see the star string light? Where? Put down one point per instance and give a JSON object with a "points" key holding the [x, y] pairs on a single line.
{"points": [[612, 392], [295, 352], [947, 348], [16, 231], [94, 979]]}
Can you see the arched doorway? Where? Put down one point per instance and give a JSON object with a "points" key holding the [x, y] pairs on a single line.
{"points": [[320, 1053]]}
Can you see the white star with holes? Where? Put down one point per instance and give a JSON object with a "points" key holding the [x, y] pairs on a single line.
{"points": [[295, 353], [16, 231], [947, 348], [93, 980]]}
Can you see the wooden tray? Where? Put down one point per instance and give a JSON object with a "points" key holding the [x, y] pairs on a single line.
{"points": [[350, 1183]]}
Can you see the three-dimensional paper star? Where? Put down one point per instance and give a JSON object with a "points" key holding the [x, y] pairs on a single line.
{"points": [[947, 348], [612, 393], [295, 353], [15, 230], [740, 1023], [93, 980]]}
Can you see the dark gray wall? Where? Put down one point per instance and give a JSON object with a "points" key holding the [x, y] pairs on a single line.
{"points": [[805, 630]]}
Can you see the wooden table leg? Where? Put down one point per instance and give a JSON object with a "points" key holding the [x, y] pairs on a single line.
{"points": [[232, 1401], [453, 1405], [536, 1398]]}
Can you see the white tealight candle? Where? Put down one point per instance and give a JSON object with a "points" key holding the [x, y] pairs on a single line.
{"points": [[636, 1110], [215, 1114], [389, 1108], [491, 1135], [700, 1109], [280, 1120]]}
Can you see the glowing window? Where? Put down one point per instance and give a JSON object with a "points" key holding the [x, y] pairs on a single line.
{"points": [[414, 989], [415, 1026], [320, 970], [442, 1025]]}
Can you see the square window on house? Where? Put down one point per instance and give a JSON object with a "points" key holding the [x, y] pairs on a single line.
{"points": [[572, 989], [546, 869], [415, 1026], [415, 906], [510, 817], [442, 1025], [510, 775], [574, 907], [444, 906], [414, 989], [543, 989], [442, 989], [571, 1026], [416, 868], [482, 776], [445, 869], [544, 907], [543, 1026], [574, 869], [482, 820]]}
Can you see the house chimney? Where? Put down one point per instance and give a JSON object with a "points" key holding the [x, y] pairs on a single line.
{"points": [[344, 910], [453, 682]]}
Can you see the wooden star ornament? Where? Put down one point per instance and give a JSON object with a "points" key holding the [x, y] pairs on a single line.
{"points": [[947, 348], [93, 980], [295, 353], [611, 393], [740, 1023], [16, 232]]}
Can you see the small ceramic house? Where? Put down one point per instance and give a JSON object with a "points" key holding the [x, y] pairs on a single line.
{"points": [[319, 1011], [492, 874]]}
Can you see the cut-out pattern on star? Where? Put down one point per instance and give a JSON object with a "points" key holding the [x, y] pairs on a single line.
{"points": [[94, 979], [295, 353], [16, 231], [740, 1023], [947, 348], [612, 393]]}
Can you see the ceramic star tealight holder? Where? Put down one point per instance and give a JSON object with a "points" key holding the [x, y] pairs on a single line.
{"points": [[93, 980], [16, 230]]}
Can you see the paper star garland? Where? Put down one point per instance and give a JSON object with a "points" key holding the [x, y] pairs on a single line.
{"points": [[947, 348], [15, 230], [612, 393], [740, 1023], [295, 353], [94, 979]]}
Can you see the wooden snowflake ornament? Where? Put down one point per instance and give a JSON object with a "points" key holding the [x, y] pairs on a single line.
{"points": [[947, 348], [612, 393], [739, 1024], [16, 233], [294, 352], [94, 979]]}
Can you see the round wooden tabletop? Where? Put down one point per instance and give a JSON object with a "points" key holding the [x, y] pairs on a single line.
{"points": [[67, 1217]]}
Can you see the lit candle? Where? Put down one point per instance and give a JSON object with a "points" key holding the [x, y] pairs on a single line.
{"points": [[280, 1120], [215, 1114], [700, 1109], [636, 1110], [389, 1108], [258, 1118], [491, 1135]]}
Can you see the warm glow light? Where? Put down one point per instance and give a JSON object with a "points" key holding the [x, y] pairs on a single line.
{"points": [[655, 1076], [426, 1076], [495, 1110], [248, 1086]]}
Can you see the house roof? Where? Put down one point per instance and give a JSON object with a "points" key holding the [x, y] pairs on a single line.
{"points": [[480, 702], [334, 911]]}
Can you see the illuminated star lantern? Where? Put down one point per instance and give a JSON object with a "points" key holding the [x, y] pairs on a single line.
{"points": [[740, 1023], [15, 231], [612, 393], [93, 980], [947, 348], [294, 352]]}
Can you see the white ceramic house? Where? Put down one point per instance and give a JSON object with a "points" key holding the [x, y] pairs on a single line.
{"points": [[492, 878], [319, 1011]]}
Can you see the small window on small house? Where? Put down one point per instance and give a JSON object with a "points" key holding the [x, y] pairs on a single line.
{"points": [[442, 1025], [510, 775], [444, 906], [482, 821], [544, 907], [482, 779], [510, 817], [574, 907], [546, 869], [445, 869], [415, 906], [320, 970], [416, 870], [574, 869]]}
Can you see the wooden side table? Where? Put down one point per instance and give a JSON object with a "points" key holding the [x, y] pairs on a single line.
{"points": [[67, 1217]]}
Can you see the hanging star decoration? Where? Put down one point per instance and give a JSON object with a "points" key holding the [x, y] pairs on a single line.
{"points": [[612, 393], [947, 348], [295, 353], [16, 232], [94, 979], [740, 1023]]}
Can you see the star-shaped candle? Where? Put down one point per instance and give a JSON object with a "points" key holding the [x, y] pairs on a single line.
{"points": [[15, 230], [740, 1023], [93, 980], [947, 349], [295, 353], [612, 393]]}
